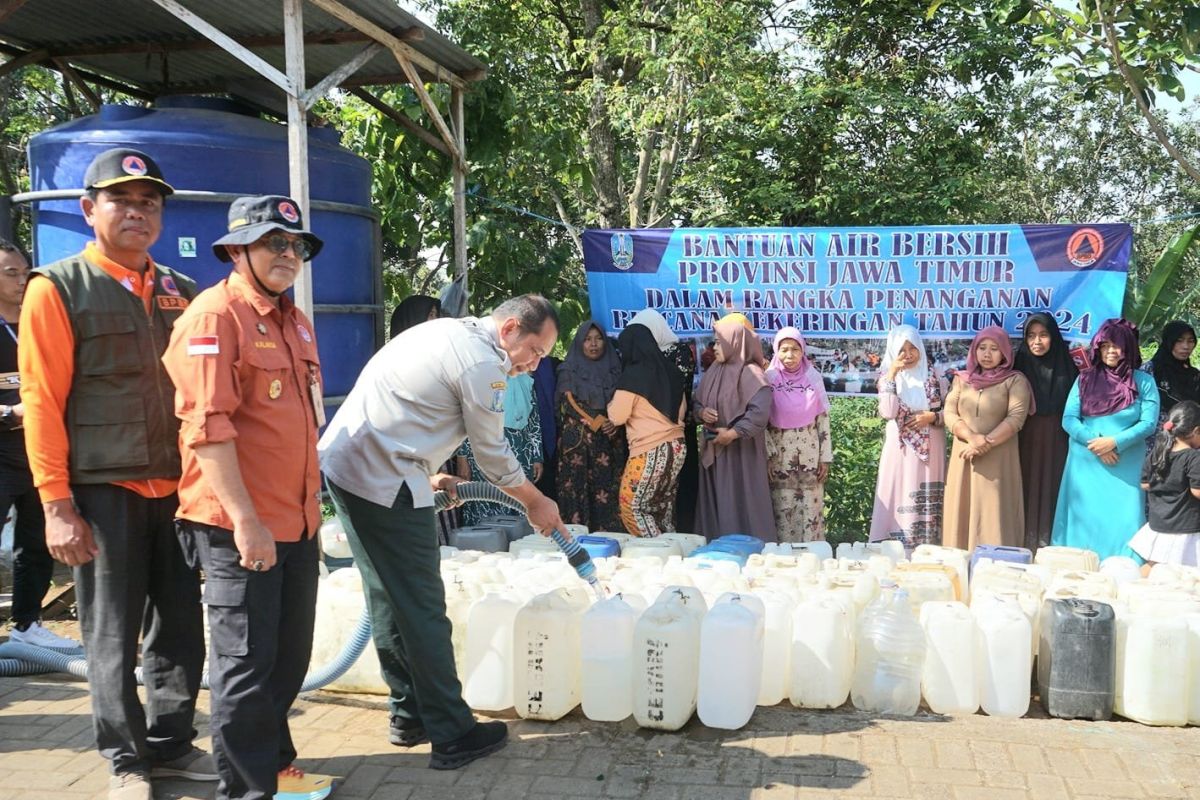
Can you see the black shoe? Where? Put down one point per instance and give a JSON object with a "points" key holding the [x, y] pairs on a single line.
{"points": [[485, 738], [406, 732]]}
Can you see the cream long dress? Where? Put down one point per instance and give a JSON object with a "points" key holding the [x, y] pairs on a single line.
{"points": [[984, 499]]}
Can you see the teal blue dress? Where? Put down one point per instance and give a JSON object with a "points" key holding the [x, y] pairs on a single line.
{"points": [[1100, 507]]}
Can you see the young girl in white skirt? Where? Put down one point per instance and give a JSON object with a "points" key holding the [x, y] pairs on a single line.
{"points": [[1171, 480]]}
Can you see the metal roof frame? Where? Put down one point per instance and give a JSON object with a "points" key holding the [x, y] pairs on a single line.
{"points": [[254, 51]]}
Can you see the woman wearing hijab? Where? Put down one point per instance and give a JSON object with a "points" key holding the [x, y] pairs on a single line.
{"points": [[734, 404], [1110, 411], [985, 411], [414, 310], [649, 404], [523, 430], [1171, 367], [682, 357], [1045, 361], [799, 450], [591, 449], [912, 467]]}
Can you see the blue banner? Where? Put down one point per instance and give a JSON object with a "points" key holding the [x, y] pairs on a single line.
{"points": [[846, 284]]}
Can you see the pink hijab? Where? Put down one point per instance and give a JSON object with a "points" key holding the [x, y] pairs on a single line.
{"points": [[979, 378], [799, 394]]}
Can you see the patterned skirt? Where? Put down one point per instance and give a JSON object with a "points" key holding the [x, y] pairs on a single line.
{"points": [[648, 487]]}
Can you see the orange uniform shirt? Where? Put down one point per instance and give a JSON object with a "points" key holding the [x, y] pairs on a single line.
{"points": [[46, 361], [243, 372]]}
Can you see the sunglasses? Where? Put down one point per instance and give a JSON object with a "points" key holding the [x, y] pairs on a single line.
{"points": [[278, 244]]}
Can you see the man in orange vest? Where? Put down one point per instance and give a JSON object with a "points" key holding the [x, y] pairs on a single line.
{"points": [[103, 448]]}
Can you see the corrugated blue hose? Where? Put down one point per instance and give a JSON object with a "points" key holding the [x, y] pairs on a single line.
{"points": [[23, 659]]}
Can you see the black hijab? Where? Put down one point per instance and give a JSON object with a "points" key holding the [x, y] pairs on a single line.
{"points": [[1051, 375], [645, 371], [1177, 380], [591, 383], [413, 310]]}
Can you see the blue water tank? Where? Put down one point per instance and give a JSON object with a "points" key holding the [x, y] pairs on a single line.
{"points": [[211, 145]]}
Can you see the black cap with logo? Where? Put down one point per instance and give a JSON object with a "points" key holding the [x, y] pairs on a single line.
{"points": [[123, 165], [251, 218]]}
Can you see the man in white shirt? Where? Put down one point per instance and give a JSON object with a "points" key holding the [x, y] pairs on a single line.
{"points": [[412, 406]]}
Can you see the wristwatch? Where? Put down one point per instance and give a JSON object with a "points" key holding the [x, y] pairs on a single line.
{"points": [[6, 415]]}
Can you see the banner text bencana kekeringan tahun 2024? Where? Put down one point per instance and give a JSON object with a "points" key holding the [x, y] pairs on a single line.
{"points": [[844, 288]]}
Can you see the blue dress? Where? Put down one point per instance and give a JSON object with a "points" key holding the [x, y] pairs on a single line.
{"points": [[1100, 507]]}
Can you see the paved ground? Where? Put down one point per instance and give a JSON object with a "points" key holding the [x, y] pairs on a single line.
{"points": [[45, 752]]}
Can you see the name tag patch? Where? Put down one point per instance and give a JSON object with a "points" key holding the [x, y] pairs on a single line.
{"points": [[268, 345], [172, 303], [203, 346]]}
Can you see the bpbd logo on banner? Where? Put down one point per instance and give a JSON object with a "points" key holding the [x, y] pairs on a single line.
{"points": [[846, 287]]}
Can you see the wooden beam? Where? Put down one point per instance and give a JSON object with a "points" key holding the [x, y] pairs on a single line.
{"points": [[411, 34], [297, 128], [135, 90], [23, 60], [402, 120], [385, 79], [460, 188], [227, 43], [340, 74], [66, 69], [355, 20], [431, 109], [9, 7]]}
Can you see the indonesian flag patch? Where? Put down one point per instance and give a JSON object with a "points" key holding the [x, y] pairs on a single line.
{"points": [[203, 346]]}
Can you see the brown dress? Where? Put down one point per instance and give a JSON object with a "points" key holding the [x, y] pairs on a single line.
{"points": [[984, 501]]}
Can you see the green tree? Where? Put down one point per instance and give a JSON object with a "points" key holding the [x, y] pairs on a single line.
{"points": [[1133, 50]]}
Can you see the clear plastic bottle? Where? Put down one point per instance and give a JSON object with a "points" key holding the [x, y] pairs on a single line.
{"points": [[891, 655]]}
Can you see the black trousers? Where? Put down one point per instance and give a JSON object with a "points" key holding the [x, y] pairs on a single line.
{"points": [[138, 583], [33, 566], [260, 628]]}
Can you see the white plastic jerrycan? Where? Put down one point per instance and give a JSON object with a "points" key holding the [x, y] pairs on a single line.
{"points": [[1004, 656], [1193, 621], [333, 539], [1121, 569], [861, 551], [666, 665], [821, 549], [460, 596], [687, 541], [890, 656], [822, 651], [949, 682], [1088, 585], [658, 548], [1067, 559], [340, 603], [607, 651], [1182, 576], [1153, 669], [777, 644], [487, 677], [731, 654], [950, 556], [546, 656]]}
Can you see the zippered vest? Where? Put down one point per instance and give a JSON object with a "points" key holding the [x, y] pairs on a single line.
{"points": [[120, 414]]}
